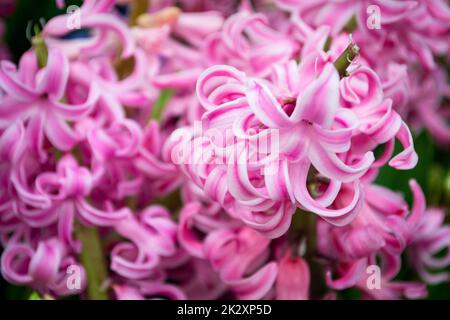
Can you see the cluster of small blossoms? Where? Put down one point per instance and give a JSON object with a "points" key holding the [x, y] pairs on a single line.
{"points": [[405, 42], [208, 150]]}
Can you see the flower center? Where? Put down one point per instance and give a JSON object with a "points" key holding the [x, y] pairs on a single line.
{"points": [[288, 104]]}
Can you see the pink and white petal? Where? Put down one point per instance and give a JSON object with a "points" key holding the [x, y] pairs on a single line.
{"points": [[265, 106], [76, 111], [214, 77], [257, 285], [126, 262], [15, 264], [107, 22], [46, 261], [349, 276], [59, 133], [52, 79], [339, 217], [362, 88], [407, 159], [271, 224], [66, 226], [98, 217], [331, 166], [12, 85], [319, 101]]}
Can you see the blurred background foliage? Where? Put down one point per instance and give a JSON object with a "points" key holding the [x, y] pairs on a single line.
{"points": [[432, 171], [26, 11]]}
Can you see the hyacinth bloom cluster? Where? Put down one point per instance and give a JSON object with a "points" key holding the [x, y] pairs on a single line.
{"points": [[209, 150]]}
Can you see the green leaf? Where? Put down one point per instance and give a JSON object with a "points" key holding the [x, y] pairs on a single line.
{"points": [[34, 296]]}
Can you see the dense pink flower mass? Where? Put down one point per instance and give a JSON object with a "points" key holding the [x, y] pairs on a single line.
{"points": [[203, 150]]}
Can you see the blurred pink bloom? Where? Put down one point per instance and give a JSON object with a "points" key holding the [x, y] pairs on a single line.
{"points": [[430, 238], [246, 42], [383, 229], [293, 278], [34, 96], [153, 235], [234, 253], [96, 15], [42, 267]]}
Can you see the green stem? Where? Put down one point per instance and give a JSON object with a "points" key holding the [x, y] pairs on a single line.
{"points": [[446, 190], [93, 261], [41, 50], [327, 44], [303, 231], [346, 58], [160, 103], [351, 25]]}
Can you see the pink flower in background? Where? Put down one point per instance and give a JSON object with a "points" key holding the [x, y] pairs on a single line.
{"points": [[34, 96], [431, 237], [96, 15], [337, 13], [246, 42], [428, 105], [293, 278], [383, 229], [234, 253], [153, 235], [42, 267]]}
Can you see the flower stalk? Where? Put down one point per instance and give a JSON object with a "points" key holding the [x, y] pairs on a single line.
{"points": [[302, 236], [40, 48], [93, 261], [160, 103], [302, 233]]}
